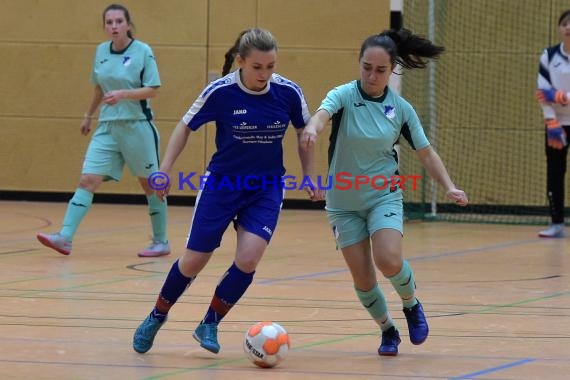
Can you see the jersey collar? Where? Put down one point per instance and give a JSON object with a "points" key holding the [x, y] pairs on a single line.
{"points": [[370, 98], [245, 89], [111, 51]]}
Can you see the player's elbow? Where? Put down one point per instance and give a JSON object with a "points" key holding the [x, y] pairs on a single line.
{"points": [[153, 91]]}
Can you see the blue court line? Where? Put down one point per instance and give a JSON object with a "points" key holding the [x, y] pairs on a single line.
{"points": [[493, 369], [417, 258], [474, 250], [300, 277]]}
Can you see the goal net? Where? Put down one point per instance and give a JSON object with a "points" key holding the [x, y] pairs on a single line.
{"points": [[477, 106]]}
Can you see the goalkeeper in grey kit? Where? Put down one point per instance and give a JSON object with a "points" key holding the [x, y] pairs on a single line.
{"points": [[553, 96]]}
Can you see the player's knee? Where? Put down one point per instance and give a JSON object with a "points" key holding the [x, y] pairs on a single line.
{"points": [[90, 182], [247, 264], [389, 264], [192, 262]]}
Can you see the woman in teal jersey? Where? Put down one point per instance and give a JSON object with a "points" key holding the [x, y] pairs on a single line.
{"points": [[125, 76], [367, 216]]}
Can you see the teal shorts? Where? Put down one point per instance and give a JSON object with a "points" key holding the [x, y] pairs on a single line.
{"points": [[114, 143], [351, 227]]}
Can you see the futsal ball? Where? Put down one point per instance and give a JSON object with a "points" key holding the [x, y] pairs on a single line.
{"points": [[266, 344]]}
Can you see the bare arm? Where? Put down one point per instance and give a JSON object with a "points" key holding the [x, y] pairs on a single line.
{"points": [[436, 169], [306, 155], [141, 93], [95, 101], [316, 124], [115, 96], [306, 138], [176, 144]]}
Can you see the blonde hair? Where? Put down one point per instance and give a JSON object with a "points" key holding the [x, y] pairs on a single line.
{"points": [[255, 38]]}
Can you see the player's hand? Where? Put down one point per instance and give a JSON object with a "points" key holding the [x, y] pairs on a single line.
{"points": [[319, 195], [458, 196], [85, 127], [552, 95], [163, 193], [555, 134], [308, 137], [314, 191], [113, 97]]}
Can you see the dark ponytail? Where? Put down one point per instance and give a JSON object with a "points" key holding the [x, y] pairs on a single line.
{"points": [[231, 55], [405, 48]]}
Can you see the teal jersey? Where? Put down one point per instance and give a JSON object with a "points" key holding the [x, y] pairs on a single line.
{"points": [[132, 68], [364, 131]]}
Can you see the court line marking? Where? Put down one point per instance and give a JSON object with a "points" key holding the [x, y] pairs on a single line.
{"points": [[434, 256], [487, 371], [356, 336], [414, 258], [430, 257]]}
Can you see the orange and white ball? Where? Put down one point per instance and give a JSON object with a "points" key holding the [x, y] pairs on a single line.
{"points": [[266, 344]]}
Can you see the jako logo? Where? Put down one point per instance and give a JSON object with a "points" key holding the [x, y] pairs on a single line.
{"points": [[240, 112]]}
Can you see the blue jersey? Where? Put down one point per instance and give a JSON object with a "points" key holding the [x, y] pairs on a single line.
{"points": [[250, 125]]}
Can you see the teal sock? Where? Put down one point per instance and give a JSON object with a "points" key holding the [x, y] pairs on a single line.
{"points": [[77, 208], [405, 285], [375, 303], [158, 217]]}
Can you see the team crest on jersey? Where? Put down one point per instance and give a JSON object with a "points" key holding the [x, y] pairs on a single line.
{"points": [[390, 112], [126, 61]]}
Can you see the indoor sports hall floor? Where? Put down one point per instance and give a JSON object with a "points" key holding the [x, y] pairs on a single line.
{"points": [[497, 299]]}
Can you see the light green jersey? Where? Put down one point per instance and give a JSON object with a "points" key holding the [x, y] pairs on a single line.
{"points": [[132, 68], [364, 131]]}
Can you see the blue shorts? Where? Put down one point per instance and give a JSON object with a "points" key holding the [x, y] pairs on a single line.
{"points": [[216, 207], [114, 143], [351, 227]]}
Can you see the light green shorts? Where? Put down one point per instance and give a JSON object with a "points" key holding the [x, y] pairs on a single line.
{"points": [[115, 143], [351, 227]]}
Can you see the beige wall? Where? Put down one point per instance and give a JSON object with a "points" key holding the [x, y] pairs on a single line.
{"points": [[47, 47]]}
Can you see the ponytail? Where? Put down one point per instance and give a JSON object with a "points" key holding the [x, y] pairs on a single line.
{"points": [[231, 55], [405, 48]]}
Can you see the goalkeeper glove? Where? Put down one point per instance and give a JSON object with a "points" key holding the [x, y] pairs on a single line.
{"points": [[552, 95], [555, 134]]}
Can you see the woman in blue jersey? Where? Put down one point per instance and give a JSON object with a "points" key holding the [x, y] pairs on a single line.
{"points": [[252, 107], [125, 76], [553, 94], [367, 119]]}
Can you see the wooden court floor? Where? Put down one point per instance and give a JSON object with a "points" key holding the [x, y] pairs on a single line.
{"points": [[497, 299]]}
